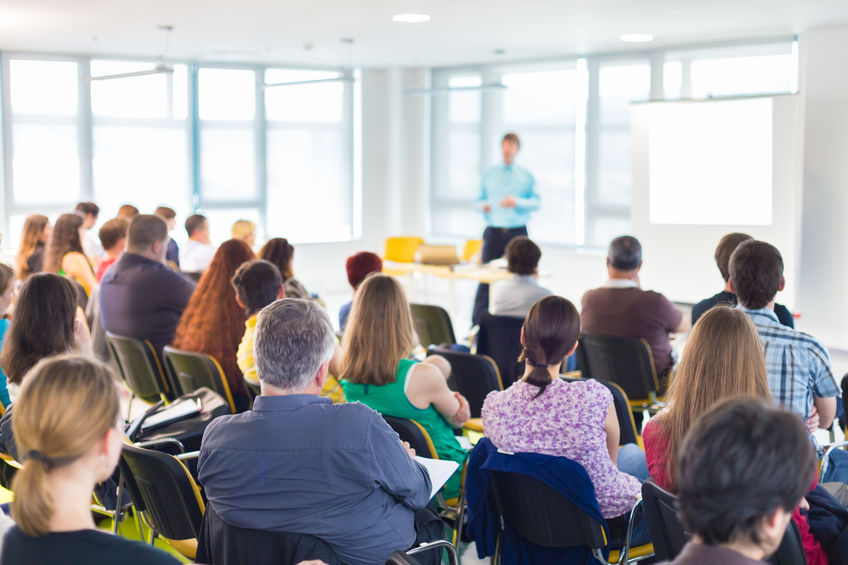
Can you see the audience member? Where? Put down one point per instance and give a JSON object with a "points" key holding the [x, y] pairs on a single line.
{"points": [[7, 294], [170, 217], [213, 321], [127, 212], [89, 212], [621, 308], [244, 230], [723, 252], [280, 252], [743, 470], [69, 430], [35, 235], [358, 266], [64, 254], [540, 413], [140, 296], [113, 238], [798, 366], [515, 297], [297, 463], [197, 253], [377, 370]]}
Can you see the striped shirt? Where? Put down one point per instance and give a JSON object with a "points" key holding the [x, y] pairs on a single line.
{"points": [[798, 366]]}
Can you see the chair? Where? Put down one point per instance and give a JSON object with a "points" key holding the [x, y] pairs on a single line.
{"points": [[432, 324], [499, 337], [471, 248], [407, 557], [191, 371], [402, 249], [625, 361], [626, 424], [473, 376], [140, 367], [165, 495]]}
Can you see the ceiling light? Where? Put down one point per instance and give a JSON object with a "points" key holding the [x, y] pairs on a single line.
{"points": [[411, 18], [636, 37]]}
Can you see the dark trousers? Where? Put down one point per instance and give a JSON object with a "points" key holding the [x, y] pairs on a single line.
{"points": [[494, 245]]}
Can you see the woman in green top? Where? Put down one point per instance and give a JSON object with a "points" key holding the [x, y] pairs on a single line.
{"points": [[377, 371]]}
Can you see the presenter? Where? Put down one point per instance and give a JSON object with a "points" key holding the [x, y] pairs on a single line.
{"points": [[507, 197]]}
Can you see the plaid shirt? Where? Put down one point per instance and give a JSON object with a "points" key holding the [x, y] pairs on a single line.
{"points": [[798, 366]]}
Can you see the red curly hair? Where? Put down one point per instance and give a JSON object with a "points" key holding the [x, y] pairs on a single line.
{"points": [[213, 322]]}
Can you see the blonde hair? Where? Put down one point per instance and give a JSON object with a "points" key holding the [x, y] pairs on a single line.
{"points": [[723, 360], [379, 333], [67, 404], [242, 229], [30, 238]]}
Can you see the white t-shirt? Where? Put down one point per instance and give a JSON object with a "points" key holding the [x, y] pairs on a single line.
{"points": [[195, 256]]}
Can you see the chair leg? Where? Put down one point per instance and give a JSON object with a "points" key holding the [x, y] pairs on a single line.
{"points": [[119, 511]]}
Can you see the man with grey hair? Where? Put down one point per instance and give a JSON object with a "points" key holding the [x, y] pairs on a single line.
{"points": [[297, 463]]}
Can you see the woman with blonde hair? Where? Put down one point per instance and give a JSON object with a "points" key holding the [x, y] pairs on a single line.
{"points": [[34, 237], [378, 372], [244, 230], [69, 433], [64, 254]]}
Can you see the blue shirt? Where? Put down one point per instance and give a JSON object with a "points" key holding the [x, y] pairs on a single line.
{"points": [[797, 365], [173, 252], [4, 390], [504, 180], [300, 464], [344, 312]]}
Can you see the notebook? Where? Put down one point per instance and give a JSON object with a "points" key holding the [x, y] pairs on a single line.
{"points": [[439, 470]]}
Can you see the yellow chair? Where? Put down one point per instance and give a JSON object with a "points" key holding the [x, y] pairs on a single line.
{"points": [[472, 247], [402, 249]]}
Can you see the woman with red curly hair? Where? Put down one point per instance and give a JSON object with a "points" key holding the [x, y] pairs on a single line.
{"points": [[213, 322]]}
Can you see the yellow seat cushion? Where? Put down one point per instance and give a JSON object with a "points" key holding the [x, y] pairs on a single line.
{"points": [[474, 424]]}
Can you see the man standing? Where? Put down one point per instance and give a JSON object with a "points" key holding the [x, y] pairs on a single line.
{"points": [[507, 196]]}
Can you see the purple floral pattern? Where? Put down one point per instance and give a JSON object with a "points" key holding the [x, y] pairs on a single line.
{"points": [[567, 420]]}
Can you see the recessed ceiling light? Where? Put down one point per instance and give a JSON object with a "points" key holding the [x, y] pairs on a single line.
{"points": [[636, 37], [411, 18]]}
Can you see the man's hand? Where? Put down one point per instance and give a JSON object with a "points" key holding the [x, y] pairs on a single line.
{"points": [[508, 201], [813, 421], [409, 449], [487, 208], [464, 413]]}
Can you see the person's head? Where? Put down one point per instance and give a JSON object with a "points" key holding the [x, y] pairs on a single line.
{"points": [[548, 336], [89, 211], [244, 230], [127, 212], [147, 235], [743, 470], [258, 283], [510, 144], [379, 332], [723, 359], [197, 228], [113, 235], [360, 265], [756, 273], [293, 345], [624, 254], [44, 324], [522, 256], [7, 287], [36, 231], [167, 214], [280, 252], [726, 246], [67, 423], [66, 238]]}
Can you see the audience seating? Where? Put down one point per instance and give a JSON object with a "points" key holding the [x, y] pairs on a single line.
{"points": [[629, 433], [191, 371], [432, 325], [499, 337], [141, 369], [402, 249], [474, 377]]}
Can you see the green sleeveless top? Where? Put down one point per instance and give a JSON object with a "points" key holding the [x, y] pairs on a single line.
{"points": [[390, 399]]}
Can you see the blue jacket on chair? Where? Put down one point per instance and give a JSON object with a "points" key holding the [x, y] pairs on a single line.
{"points": [[565, 476]]}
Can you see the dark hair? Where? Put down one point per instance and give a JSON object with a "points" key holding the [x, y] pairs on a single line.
{"points": [[144, 230], [360, 265], [127, 211], [44, 324], [280, 252], [165, 213], [112, 232], [756, 271], [742, 460], [522, 255], [86, 208], [64, 239], [513, 138], [550, 331], [725, 249], [7, 279], [625, 253], [194, 223], [257, 284]]}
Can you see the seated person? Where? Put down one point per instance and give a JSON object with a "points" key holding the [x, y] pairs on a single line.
{"points": [[515, 297], [280, 252], [723, 252], [541, 413], [64, 254], [34, 238], [113, 238], [621, 308], [378, 372], [7, 294], [198, 252], [244, 230], [89, 212], [358, 266], [298, 463], [743, 470], [170, 217], [64, 457], [798, 366], [127, 212]]}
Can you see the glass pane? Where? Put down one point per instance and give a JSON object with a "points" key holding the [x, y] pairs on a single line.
{"points": [[463, 167], [545, 97], [226, 94], [619, 85], [614, 176], [45, 163], [320, 102], [672, 79], [221, 223], [742, 75], [43, 87], [147, 96], [227, 163], [464, 105], [603, 229], [455, 220]]}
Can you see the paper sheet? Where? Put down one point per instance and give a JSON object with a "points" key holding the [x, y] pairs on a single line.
{"points": [[439, 470]]}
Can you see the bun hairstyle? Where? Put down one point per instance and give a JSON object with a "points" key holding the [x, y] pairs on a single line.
{"points": [[550, 331]]}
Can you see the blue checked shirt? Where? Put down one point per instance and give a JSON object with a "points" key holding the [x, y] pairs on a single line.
{"points": [[798, 366]]}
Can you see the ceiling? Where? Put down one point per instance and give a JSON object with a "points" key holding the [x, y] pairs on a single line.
{"points": [[310, 32]]}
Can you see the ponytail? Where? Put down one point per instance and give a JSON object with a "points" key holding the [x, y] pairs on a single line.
{"points": [[32, 506], [550, 331]]}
